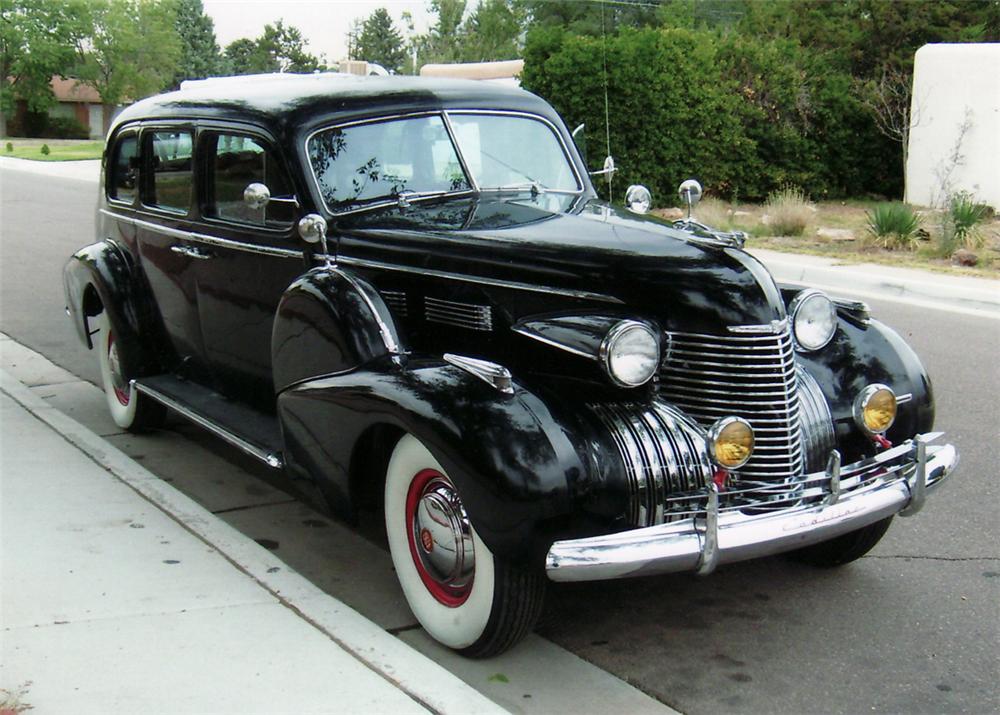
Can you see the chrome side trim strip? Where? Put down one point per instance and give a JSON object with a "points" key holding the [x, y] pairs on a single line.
{"points": [[362, 263], [204, 238], [495, 282], [528, 333], [370, 296], [271, 459]]}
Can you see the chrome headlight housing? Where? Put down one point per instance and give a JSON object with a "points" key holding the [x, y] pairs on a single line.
{"points": [[814, 320], [630, 353]]}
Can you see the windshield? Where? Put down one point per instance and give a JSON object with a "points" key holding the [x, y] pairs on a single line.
{"points": [[506, 151], [368, 163]]}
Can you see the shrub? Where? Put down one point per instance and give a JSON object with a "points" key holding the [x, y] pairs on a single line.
{"points": [[45, 149], [966, 214], [10, 147], [63, 128], [789, 212], [893, 225]]}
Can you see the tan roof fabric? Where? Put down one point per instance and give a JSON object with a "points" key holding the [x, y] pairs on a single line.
{"points": [[475, 70]]}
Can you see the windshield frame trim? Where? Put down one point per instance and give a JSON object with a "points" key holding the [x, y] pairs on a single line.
{"points": [[581, 186], [444, 114]]}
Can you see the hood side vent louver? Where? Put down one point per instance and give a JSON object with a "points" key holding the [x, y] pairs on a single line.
{"points": [[460, 315]]}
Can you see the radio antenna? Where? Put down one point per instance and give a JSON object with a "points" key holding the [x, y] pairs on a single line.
{"points": [[607, 114]]}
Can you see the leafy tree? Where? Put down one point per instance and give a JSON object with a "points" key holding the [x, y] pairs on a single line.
{"points": [[443, 43], [132, 51], [590, 17], [492, 32], [380, 42], [37, 41], [278, 49], [200, 55]]}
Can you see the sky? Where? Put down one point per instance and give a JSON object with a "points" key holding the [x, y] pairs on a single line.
{"points": [[323, 23]]}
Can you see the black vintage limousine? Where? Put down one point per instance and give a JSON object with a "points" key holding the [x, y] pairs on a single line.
{"points": [[409, 292]]}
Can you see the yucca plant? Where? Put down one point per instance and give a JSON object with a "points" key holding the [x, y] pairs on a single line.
{"points": [[966, 215], [893, 225], [788, 211]]}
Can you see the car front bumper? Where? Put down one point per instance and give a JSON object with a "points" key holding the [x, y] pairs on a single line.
{"points": [[830, 503]]}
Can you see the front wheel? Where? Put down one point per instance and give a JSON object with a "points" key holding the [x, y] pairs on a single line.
{"points": [[843, 549], [129, 409], [464, 596]]}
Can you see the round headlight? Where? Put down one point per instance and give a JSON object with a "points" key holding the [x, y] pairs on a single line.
{"points": [[630, 353], [814, 319], [875, 409], [730, 442]]}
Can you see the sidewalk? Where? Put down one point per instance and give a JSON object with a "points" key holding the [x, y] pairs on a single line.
{"points": [[121, 595], [959, 294], [84, 170]]}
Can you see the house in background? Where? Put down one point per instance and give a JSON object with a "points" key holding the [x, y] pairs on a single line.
{"points": [[955, 133], [79, 101]]}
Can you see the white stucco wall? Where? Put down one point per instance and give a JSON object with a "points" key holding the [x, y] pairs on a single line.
{"points": [[953, 83]]}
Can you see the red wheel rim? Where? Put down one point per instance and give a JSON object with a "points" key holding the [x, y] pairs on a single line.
{"points": [[444, 593], [115, 368]]}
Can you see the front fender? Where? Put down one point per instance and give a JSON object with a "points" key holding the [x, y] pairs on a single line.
{"points": [[510, 457], [329, 321]]}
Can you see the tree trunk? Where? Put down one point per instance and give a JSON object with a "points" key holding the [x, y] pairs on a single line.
{"points": [[3, 123]]}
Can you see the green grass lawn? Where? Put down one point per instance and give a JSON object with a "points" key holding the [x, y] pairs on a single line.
{"points": [[59, 149]]}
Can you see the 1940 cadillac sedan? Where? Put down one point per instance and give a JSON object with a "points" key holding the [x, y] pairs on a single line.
{"points": [[409, 292]]}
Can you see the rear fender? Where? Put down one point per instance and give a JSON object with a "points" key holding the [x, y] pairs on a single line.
{"points": [[104, 277]]}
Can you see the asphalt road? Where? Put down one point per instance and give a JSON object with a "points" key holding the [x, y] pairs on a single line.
{"points": [[912, 628]]}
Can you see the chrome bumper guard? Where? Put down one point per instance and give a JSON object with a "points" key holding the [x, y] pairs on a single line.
{"points": [[827, 504]]}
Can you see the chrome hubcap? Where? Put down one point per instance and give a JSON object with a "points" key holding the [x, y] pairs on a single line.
{"points": [[442, 535], [115, 368]]}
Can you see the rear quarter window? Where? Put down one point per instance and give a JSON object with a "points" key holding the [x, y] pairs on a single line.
{"points": [[170, 161], [123, 172]]}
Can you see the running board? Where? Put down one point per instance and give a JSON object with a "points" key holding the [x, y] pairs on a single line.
{"points": [[215, 413]]}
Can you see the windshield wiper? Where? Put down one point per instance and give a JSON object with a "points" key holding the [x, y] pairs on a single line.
{"points": [[535, 187]]}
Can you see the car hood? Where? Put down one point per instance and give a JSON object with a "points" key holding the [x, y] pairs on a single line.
{"points": [[572, 244]]}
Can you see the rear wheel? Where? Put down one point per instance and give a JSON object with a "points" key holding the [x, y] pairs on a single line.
{"points": [[129, 409], [843, 549], [463, 595]]}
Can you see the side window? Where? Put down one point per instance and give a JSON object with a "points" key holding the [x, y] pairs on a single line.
{"points": [[234, 161], [123, 171], [170, 160]]}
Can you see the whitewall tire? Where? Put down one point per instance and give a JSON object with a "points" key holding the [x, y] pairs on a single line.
{"points": [[463, 596], [129, 409]]}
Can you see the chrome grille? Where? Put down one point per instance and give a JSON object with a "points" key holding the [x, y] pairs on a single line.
{"points": [[748, 375], [462, 315], [666, 463]]}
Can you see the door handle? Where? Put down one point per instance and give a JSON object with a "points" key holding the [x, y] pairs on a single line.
{"points": [[191, 252]]}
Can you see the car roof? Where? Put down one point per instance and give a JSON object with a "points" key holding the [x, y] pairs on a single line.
{"points": [[285, 103]]}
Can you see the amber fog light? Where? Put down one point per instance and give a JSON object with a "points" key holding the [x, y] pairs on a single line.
{"points": [[875, 409], [730, 442]]}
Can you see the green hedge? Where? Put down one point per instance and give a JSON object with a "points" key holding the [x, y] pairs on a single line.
{"points": [[742, 115]]}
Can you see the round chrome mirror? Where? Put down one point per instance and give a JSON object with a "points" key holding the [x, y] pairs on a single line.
{"points": [[690, 193], [312, 228], [638, 199], [256, 196]]}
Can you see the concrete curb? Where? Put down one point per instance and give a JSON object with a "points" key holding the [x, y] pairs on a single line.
{"points": [[423, 680], [78, 170]]}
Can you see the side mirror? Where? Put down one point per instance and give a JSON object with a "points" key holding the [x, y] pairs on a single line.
{"points": [[256, 196], [312, 230], [609, 167], [690, 193], [638, 199]]}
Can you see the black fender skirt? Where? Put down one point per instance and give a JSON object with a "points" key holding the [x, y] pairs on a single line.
{"points": [[518, 467]]}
